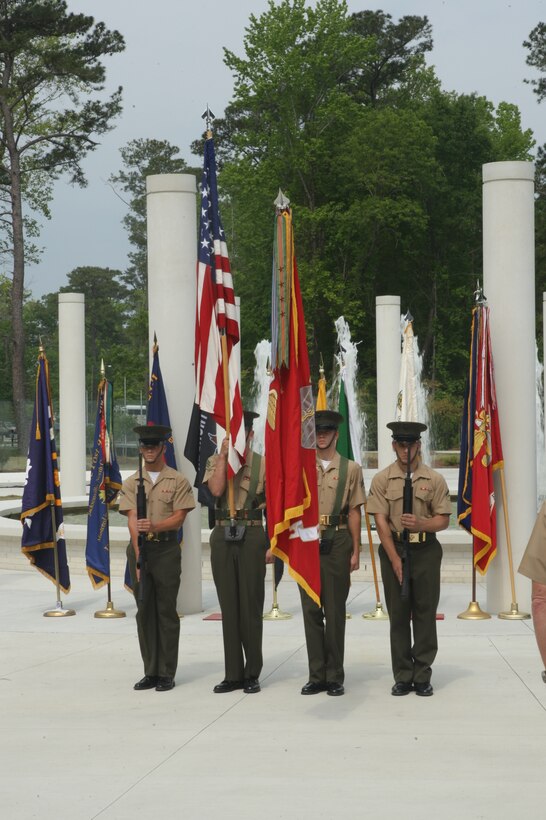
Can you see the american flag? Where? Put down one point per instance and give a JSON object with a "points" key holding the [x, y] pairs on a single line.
{"points": [[216, 316]]}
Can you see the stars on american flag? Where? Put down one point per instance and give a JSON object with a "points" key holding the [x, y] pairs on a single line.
{"points": [[210, 227]]}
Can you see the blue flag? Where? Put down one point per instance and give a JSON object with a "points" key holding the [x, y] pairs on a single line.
{"points": [[103, 490], [158, 411], [41, 508]]}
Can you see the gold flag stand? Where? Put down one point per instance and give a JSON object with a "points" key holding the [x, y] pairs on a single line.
{"points": [[110, 611], [473, 611], [58, 611], [378, 614], [513, 614], [275, 613]]}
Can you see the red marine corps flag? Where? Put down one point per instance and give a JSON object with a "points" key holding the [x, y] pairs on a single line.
{"points": [[291, 472], [481, 449]]}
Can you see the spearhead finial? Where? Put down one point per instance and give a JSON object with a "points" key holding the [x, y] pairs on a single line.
{"points": [[479, 296], [209, 118], [102, 370], [282, 203]]}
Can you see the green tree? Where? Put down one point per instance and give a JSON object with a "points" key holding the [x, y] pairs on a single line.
{"points": [[536, 45], [105, 320], [398, 50], [142, 158], [349, 170], [50, 64], [382, 167], [5, 337]]}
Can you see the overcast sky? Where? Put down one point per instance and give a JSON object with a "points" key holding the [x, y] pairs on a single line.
{"points": [[172, 67]]}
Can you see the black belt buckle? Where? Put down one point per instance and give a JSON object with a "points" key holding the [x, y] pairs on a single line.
{"points": [[235, 533], [325, 546]]}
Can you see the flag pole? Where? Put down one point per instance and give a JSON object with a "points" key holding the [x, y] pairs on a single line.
{"points": [[378, 614], [208, 116], [59, 611], [513, 614], [110, 611], [231, 493], [275, 613]]}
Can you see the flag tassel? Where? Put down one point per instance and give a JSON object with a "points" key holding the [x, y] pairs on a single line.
{"points": [[59, 610]]}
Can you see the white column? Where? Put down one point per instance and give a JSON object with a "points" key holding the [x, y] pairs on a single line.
{"points": [[509, 286], [172, 255], [72, 410], [388, 350]]}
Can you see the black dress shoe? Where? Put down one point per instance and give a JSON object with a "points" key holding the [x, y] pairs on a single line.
{"points": [[313, 688], [164, 684], [424, 690], [147, 682], [251, 686], [401, 688], [228, 686], [335, 689]]}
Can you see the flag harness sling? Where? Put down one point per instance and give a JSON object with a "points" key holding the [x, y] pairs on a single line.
{"points": [[334, 519], [238, 532]]}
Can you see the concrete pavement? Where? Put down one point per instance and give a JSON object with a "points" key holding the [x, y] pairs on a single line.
{"points": [[77, 742]]}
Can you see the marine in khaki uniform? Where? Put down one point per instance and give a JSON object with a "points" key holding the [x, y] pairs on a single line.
{"points": [[533, 566], [411, 663], [169, 498], [238, 558], [339, 556]]}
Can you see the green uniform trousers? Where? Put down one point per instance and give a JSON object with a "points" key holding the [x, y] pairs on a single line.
{"points": [[158, 622], [412, 663], [325, 624], [238, 569]]}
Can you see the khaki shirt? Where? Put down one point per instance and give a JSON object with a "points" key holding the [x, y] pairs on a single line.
{"points": [[353, 494], [533, 563], [241, 483], [430, 494], [170, 492]]}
